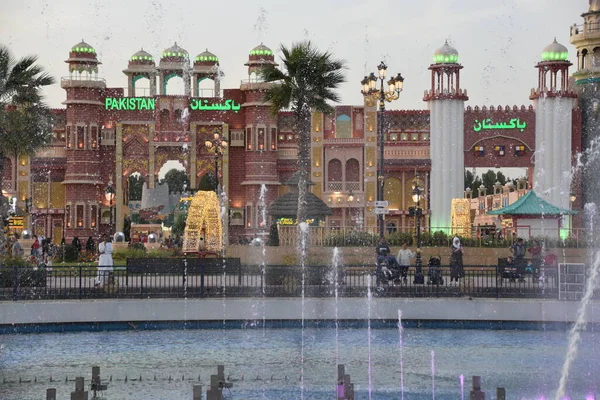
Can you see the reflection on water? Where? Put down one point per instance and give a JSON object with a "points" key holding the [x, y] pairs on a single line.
{"points": [[526, 363]]}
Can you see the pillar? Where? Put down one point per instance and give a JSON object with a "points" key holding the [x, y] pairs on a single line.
{"points": [[118, 179], [192, 148]]}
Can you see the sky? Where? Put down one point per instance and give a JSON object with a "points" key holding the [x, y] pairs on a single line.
{"points": [[498, 41]]}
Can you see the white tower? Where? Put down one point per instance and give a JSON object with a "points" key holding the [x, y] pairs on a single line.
{"points": [[445, 101], [553, 102]]}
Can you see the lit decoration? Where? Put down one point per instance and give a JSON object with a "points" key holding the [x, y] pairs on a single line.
{"points": [[499, 150], [461, 217], [519, 150], [203, 230], [478, 151]]}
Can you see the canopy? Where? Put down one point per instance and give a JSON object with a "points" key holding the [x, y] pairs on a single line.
{"points": [[532, 204]]}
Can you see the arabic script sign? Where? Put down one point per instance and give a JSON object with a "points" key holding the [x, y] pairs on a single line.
{"points": [[486, 124], [205, 105]]}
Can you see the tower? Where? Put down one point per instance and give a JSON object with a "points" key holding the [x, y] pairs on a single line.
{"points": [[445, 101], [261, 143], [174, 62], [206, 66], [553, 102], [586, 39], [84, 185], [141, 65]]}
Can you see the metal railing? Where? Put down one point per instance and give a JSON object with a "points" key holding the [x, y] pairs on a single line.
{"points": [[26, 283]]}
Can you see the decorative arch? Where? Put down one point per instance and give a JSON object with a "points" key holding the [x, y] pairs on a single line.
{"points": [[352, 170], [343, 126], [203, 230], [334, 170]]}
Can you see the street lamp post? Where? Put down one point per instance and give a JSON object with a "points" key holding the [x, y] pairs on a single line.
{"points": [[417, 212], [110, 195], [372, 95], [217, 144]]}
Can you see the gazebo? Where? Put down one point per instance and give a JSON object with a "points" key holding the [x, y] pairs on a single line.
{"points": [[533, 216], [286, 206]]}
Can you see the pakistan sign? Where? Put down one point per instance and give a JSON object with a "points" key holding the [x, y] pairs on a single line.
{"points": [[148, 103], [129, 103]]}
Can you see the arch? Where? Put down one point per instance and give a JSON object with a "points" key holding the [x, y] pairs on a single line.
{"points": [[584, 61], [206, 87], [595, 61], [175, 83], [334, 170], [143, 88], [343, 126], [352, 170], [392, 192]]}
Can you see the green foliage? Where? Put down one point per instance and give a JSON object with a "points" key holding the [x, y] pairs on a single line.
{"points": [[137, 246], [207, 183], [178, 227], [351, 239], [175, 179], [137, 251], [68, 254], [10, 261], [136, 185], [273, 236], [397, 238]]}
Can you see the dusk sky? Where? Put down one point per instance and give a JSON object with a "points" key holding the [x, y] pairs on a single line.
{"points": [[499, 41]]}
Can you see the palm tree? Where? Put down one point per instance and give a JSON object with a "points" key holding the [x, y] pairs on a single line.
{"points": [[25, 122], [307, 82]]}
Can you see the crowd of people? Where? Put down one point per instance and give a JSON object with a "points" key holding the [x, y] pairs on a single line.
{"points": [[395, 269]]}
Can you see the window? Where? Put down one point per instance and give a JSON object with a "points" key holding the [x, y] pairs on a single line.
{"points": [[68, 215], [273, 138], [80, 137], [249, 216], [79, 216], [404, 136], [94, 138], [261, 139], [94, 217], [69, 137], [248, 138], [394, 136], [414, 136]]}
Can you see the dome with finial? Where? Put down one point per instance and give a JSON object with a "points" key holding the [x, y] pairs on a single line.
{"points": [[84, 48], [445, 55], [555, 52], [261, 50], [175, 53], [141, 57], [206, 57]]}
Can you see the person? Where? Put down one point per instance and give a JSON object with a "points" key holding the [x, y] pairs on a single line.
{"points": [[510, 271], [17, 249], [456, 261], [382, 249], [77, 244], [105, 261], [536, 251], [35, 248], [518, 249], [90, 245], [550, 259], [404, 256]]}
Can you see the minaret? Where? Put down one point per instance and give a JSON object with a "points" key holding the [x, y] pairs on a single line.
{"points": [[174, 61], [586, 39], [206, 66], [553, 102], [84, 185], [261, 142], [445, 101]]}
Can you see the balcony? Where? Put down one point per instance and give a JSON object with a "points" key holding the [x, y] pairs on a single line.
{"points": [[343, 186], [85, 81]]}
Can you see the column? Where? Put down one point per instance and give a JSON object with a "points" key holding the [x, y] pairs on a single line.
{"points": [[118, 179], [193, 150], [151, 151], [225, 184]]}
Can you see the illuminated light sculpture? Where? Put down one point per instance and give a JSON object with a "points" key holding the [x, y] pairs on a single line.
{"points": [[203, 229], [461, 217]]}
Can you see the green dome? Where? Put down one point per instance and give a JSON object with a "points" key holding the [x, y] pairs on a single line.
{"points": [[555, 52], [261, 50], [176, 51], [142, 55], [83, 47], [445, 55], [206, 56]]}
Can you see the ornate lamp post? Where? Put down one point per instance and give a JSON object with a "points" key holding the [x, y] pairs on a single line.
{"points": [[372, 95], [217, 144], [417, 211], [110, 195]]}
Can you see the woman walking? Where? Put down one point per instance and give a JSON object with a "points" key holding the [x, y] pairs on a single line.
{"points": [[456, 261]]}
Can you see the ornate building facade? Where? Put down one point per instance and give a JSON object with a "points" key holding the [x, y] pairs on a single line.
{"points": [[106, 134]]}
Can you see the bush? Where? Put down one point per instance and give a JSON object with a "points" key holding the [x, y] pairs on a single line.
{"points": [[27, 277], [68, 254], [397, 238], [352, 238], [10, 261]]}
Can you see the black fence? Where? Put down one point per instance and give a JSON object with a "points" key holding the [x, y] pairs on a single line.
{"points": [[206, 278]]}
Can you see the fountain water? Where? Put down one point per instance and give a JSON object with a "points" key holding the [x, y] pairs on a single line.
{"points": [[369, 302], [462, 387], [400, 345], [580, 321], [433, 373]]}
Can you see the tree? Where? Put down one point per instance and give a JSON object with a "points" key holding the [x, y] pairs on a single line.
{"points": [[25, 122], [136, 186], [175, 179], [308, 81], [178, 227]]}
